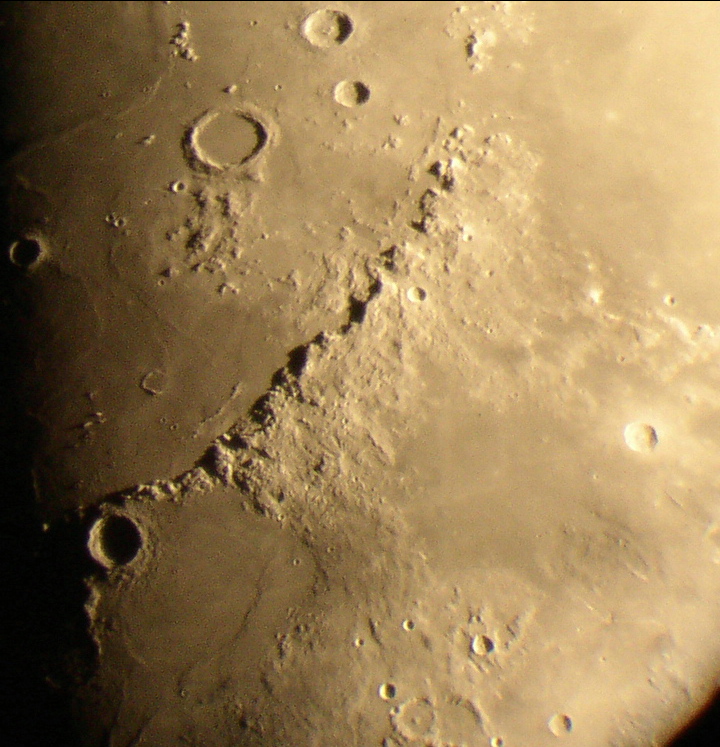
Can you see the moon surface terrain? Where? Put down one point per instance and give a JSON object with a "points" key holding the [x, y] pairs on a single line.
{"points": [[372, 351]]}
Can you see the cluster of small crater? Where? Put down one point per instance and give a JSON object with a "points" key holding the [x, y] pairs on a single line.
{"points": [[329, 29]]}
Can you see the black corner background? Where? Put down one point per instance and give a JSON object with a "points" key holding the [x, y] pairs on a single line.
{"points": [[43, 633], [43, 641], [705, 729]]}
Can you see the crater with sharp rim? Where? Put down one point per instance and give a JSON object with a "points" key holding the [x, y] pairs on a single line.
{"points": [[224, 140], [115, 540]]}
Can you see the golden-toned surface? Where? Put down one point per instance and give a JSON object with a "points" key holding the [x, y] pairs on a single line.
{"points": [[377, 344]]}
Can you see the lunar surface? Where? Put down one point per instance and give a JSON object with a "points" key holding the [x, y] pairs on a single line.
{"points": [[364, 375]]}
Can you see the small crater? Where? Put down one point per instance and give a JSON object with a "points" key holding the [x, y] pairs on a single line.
{"points": [[351, 93], [713, 535], [387, 691], [416, 295], [408, 625], [641, 437], [414, 720], [178, 187], [26, 252], [497, 742], [481, 645], [153, 382], [560, 724], [327, 28], [115, 540], [116, 221], [219, 141], [359, 642]]}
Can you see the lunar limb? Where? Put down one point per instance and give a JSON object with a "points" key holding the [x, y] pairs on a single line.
{"points": [[371, 354]]}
